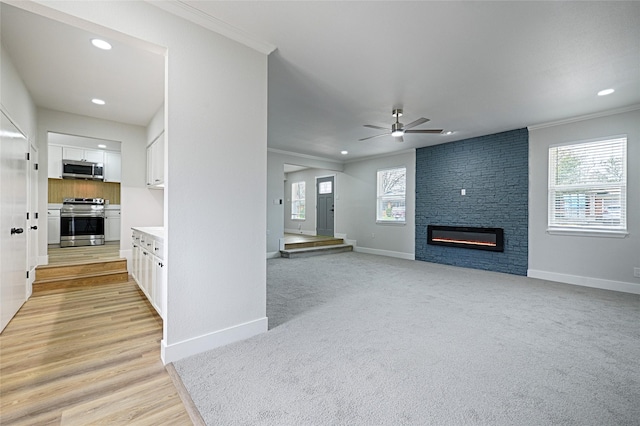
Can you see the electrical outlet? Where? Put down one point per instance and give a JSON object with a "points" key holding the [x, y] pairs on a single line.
{"points": [[636, 272], [373, 235]]}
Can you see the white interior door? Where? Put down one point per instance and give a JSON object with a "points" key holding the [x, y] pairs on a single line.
{"points": [[13, 219]]}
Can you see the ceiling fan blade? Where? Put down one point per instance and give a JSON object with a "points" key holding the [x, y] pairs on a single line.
{"points": [[424, 131], [376, 127], [416, 122], [376, 136]]}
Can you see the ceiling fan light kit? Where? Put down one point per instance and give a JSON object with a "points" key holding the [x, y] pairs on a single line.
{"points": [[398, 129]]}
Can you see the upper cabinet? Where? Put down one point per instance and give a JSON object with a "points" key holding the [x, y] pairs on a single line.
{"points": [[155, 163], [55, 162], [112, 161], [112, 167], [79, 154]]}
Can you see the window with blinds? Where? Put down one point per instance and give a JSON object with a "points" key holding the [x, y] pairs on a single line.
{"points": [[588, 185]]}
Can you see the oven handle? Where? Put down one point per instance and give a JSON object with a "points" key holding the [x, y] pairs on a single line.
{"points": [[82, 214]]}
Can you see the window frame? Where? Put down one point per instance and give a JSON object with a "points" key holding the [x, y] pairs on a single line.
{"points": [[391, 198], [587, 191], [295, 200]]}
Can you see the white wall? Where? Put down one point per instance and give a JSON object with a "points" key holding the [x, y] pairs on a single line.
{"points": [[214, 215], [156, 125], [359, 200], [139, 205], [603, 262], [14, 97]]}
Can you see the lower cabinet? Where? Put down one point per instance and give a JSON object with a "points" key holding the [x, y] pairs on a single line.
{"points": [[53, 226], [148, 267], [112, 225]]}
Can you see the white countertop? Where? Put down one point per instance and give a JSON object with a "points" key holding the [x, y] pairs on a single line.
{"points": [[154, 231]]}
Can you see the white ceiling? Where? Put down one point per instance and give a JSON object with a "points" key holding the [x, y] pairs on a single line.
{"points": [[63, 71], [474, 68]]}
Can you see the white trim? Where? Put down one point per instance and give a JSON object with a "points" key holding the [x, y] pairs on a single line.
{"points": [[624, 287], [584, 117], [196, 345], [388, 154], [388, 253], [587, 233], [273, 255], [43, 260], [300, 232], [308, 157], [190, 13]]}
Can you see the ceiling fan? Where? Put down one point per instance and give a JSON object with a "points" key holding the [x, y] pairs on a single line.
{"points": [[398, 129]]}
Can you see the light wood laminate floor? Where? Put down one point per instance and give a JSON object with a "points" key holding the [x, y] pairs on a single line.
{"points": [[74, 255], [86, 355]]}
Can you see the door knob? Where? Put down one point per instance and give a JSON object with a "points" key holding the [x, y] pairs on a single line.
{"points": [[16, 231], [34, 227]]}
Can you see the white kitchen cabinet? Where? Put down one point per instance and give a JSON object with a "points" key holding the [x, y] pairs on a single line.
{"points": [[112, 225], [55, 162], [112, 166], [53, 226], [79, 154], [135, 255], [148, 266], [155, 163], [158, 285]]}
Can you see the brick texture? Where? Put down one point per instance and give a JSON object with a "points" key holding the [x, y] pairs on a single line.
{"points": [[494, 171]]}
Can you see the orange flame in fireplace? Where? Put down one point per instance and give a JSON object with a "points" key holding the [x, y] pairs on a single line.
{"points": [[468, 242]]}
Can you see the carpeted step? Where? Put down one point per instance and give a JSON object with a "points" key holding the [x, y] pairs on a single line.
{"points": [[315, 251]]}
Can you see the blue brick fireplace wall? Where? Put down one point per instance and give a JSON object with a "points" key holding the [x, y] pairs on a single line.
{"points": [[494, 171]]}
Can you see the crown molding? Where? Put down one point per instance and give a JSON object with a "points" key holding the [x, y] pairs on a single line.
{"points": [[190, 13], [307, 156], [585, 117]]}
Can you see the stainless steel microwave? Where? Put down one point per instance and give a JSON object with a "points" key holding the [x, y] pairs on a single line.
{"points": [[72, 169]]}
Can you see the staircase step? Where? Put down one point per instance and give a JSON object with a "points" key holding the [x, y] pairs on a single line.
{"points": [[315, 251], [316, 243], [111, 277], [60, 271], [81, 274]]}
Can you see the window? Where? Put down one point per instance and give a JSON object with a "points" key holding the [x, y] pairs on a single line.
{"points": [[588, 185], [392, 185], [297, 200]]}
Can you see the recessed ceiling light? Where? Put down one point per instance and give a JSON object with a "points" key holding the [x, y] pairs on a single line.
{"points": [[98, 101], [102, 145], [605, 92], [101, 44], [344, 152], [448, 132]]}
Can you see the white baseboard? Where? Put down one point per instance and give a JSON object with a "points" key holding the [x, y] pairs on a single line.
{"points": [[585, 281], [299, 231], [388, 253], [273, 255], [196, 345], [43, 260]]}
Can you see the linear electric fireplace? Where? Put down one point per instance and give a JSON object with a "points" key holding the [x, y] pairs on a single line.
{"points": [[491, 239]]}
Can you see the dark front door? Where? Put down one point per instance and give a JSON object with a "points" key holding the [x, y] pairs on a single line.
{"points": [[325, 206]]}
